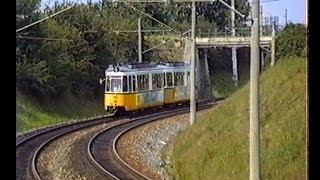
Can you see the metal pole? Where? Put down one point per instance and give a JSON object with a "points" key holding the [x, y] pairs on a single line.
{"points": [[193, 59], [254, 94], [139, 41], [234, 50], [273, 45], [286, 17]]}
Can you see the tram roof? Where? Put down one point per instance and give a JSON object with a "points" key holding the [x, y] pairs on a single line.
{"points": [[134, 67]]}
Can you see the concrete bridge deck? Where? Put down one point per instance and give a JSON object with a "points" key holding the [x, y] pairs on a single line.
{"points": [[203, 42]]}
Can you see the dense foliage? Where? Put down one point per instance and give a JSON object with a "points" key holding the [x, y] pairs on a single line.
{"points": [[83, 40], [292, 41]]}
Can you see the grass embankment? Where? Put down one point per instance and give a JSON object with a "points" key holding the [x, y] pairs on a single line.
{"points": [[33, 114], [217, 147]]}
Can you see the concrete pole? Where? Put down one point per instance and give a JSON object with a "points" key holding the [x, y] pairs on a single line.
{"points": [[139, 41], [209, 88], [261, 34], [234, 50], [198, 75], [306, 15], [273, 45], [262, 58], [254, 94], [261, 20], [307, 122], [193, 63]]}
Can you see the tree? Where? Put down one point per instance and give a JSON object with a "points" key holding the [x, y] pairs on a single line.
{"points": [[292, 41], [84, 40]]}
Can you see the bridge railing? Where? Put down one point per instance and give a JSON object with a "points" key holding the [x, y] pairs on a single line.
{"points": [[211, 32], [239, 32]]}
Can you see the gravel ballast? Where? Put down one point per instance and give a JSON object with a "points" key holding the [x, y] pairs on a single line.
{"points": [[143, 148]]}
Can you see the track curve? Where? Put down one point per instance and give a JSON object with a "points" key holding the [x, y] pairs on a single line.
{"points": [[102, 147], [27, 147]]}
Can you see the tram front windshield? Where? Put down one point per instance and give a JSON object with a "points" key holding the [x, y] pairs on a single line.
{"points": [[116, 85]]}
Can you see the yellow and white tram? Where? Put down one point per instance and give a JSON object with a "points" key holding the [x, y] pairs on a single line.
{"points": [[131, 87]]}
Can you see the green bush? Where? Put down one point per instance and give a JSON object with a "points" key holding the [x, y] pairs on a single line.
{"points": [[292, 42]]}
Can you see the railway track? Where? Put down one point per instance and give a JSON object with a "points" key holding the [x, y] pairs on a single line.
{"points": [[20, 138], [103, 156], [27, 148], [102, 150]]}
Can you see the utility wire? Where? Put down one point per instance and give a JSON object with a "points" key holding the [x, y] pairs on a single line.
{"points": [[42, 38], [148, 15], [32, 24]]}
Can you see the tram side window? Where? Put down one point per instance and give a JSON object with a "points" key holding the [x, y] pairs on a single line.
{"points": [[143, 82], [146, 81], [175, 76], [160, 81], [169, 79], [129, 84], [156, 81], [108, 84], [139, 82], [163, 80], [178, 79], [125, 84], [188, 78], [133, 83], [182, 78]]}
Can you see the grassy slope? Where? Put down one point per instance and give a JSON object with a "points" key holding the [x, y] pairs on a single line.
{"points": [[32, 114], [217, 147]]}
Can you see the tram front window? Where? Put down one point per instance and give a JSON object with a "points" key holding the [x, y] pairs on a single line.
{"points": [[116, 85]]}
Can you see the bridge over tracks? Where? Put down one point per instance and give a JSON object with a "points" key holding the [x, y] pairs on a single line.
{"points": [[208, 38]]}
